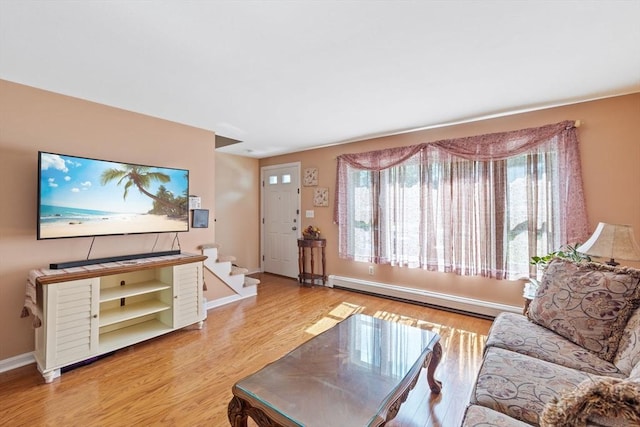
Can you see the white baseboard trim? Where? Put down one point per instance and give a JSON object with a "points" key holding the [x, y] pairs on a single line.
{"points": [[17, 361], [452, 302], [225, 300]]}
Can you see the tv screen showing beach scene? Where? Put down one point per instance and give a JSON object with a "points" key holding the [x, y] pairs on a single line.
{"points": [[80, 197]]}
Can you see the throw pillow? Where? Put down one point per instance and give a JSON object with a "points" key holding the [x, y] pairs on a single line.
{"points": [[604, 402], [628, 355], [587, 303]]}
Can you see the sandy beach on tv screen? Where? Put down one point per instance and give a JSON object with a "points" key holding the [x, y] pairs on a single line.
{"points": [[121, 225]]}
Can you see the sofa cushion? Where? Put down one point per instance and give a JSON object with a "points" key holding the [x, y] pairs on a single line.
{"points": [[479, 416], [628, 355], [515, 332], [519, 385], [605, 401], [587, 303]]}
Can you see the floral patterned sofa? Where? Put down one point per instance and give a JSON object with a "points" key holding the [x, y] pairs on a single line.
{"points": [[574, 360]]}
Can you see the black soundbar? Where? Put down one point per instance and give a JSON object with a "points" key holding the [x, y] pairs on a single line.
{"points": [[80, 263]]}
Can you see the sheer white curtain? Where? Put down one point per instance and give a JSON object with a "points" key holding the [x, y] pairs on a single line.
{"points": [[474, 206]]}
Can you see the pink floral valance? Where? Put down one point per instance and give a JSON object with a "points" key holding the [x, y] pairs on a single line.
{"points": [[380, 159], [502, 145], [488, 147]]}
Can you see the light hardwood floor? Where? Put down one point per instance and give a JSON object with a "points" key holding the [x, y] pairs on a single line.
{"points": [[185, 378]]}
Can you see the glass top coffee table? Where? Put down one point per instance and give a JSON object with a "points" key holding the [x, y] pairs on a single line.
{"points": [[357, 373]]}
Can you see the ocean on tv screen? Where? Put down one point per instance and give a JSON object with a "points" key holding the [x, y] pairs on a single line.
{"points": [[89, 197]]}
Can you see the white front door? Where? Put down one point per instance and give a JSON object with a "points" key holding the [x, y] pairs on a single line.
{"points": [[281, 219]]}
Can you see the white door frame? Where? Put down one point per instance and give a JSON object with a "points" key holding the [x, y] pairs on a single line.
{"points": [[263, 171]]}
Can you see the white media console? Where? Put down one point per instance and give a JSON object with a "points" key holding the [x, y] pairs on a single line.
{"points": [[93, 310]]}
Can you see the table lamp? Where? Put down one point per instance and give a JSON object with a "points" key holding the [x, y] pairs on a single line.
{"points": [[612, 241]]}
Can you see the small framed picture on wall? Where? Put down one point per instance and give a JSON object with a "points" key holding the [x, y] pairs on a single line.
{"points": [[321, 196], [200, 218], [310, 177]]}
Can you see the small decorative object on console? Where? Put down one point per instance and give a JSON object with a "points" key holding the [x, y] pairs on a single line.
{"points": [[311, 232]]}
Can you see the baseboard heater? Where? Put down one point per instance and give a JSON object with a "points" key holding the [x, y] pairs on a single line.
{"points": [[83, 262], [454, 303]]}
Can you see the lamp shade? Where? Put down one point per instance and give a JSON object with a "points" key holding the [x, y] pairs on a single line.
{"points": [[612, 241]]}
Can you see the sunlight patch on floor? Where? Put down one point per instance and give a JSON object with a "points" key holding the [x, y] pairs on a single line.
{"points": [[345, 309], [321, 325], [337, 314], [467, 341]]}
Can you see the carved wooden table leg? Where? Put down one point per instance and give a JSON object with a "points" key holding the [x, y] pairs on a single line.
{"points": [[435, 385], [239, 410], [236, 412]]}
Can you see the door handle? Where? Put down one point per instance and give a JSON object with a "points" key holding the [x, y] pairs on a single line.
{"points": [[294, 228]]}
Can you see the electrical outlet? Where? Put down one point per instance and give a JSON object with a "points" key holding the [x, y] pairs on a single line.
{"points": [[371, 270]]}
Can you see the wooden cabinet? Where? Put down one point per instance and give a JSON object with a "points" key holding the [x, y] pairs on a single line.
{"points": [[90, 312], [187, 308], [69, 333]]}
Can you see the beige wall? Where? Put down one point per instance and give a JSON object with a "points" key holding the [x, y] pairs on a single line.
{"points": [[32, 120], [610, 150], [238, 209]]}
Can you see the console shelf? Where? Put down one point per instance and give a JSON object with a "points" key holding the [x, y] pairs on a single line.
{"points": [[131, 335], [125, 291], [128, 312], [90, 311]]}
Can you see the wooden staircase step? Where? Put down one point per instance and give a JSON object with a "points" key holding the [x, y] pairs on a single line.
{"points": [[226, 258], [238, 270], [250, 281], [224, 267], [209, 246]]}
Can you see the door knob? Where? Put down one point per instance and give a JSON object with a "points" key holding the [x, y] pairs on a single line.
{"points": [[294, 228]]}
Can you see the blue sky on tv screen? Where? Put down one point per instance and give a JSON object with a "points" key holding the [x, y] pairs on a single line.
{"points": [[75, 182]]}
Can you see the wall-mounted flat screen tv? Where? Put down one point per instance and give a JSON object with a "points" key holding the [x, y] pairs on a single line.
{"points": [[80, 197]]}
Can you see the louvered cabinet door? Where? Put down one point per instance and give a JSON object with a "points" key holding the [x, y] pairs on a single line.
{"points": [[187, 294], [71, 322]]}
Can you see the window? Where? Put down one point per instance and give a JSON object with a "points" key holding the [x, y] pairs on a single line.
{"points": [[436, 210]]}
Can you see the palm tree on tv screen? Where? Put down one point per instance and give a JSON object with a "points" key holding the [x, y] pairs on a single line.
{"points": [[142, 177]]}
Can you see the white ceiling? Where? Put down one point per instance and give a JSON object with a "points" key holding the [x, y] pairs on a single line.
{"points": [[284, 76]]}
